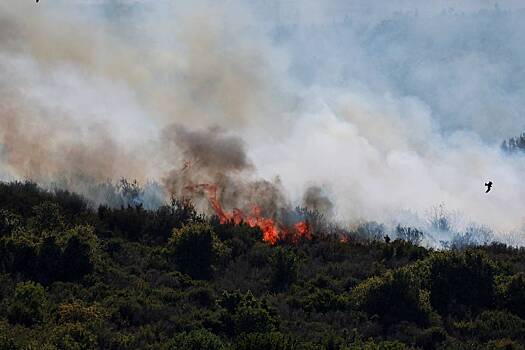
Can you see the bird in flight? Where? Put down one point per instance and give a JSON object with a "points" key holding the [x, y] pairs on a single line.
{"points": [[489, 186]]}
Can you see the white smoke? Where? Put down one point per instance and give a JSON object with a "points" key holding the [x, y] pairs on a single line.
{"points": [[389, 109]]}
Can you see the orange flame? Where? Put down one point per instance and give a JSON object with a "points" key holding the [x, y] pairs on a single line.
{"points": [[270, 230]]}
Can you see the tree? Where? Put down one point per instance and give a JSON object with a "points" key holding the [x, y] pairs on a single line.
{"points": [[273, 340], [194, 248], [46, 217], [18, 255], [513, 294], [77, 259], [28, 305], [284, 265], [8, 222], [458, 282], [394, 297], [244, 313], [49, 267], [195, 340]]}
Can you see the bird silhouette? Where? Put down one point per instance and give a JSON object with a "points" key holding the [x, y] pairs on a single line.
{"points": [[489, 186]]}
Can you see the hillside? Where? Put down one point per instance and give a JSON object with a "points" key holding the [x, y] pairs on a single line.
{"points": [[74, 277]]}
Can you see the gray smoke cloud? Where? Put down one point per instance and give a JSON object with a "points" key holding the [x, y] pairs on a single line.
{"points": [[390, 109], [316, 199]]}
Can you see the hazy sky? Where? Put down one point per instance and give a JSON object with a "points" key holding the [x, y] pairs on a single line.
{"points": [[391, 107]]}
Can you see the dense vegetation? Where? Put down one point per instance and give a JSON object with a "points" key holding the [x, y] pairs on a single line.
{"points": [[75, 277]]}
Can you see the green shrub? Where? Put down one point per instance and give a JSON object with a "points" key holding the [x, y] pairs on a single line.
{"points": [[430, 338], [324, 300], [491, 325], [243, 313], [18, 255], [266, 341], [77, 259], [9, 221], [394, 297], [47, 217], [284, 264], [28, 305], [460, 282], [504, 344], [513, 294], [195, 340], [194, 248]]}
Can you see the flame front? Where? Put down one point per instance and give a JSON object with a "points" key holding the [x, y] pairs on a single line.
{"points": [[270, 229]]}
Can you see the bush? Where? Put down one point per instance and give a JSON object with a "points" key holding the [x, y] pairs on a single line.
{"points": [[325, 300], [18, 255], [461, 282], [243, 313], [28, 305], [50, 264], [513, 294], [394, 297], [8, 222], [284, 266], [430, 338], [47, 217], [504, 344], [372, 345], [195, 340], [491, 325], [269, 341], [77, 259], [194, 248]]}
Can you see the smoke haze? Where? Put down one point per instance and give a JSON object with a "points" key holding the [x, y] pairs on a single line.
{"points": [[363, 110]]}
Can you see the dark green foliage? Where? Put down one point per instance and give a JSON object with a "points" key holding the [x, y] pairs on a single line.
{"points": [[403, 250], [284, 264], [322, 300], [429, 338], [77, 259], [47, 217], [513, 294], [461, 282], [50, 261], [243, 313], [195, 340], [269, 341], [493, 325], [504, 344], [136, 223], [394, 298], [28, 304], [8, 222], [193, 249], [74, 277], [18, 255]]}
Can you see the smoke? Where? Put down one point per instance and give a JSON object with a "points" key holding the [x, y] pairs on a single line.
{"points": [[362, 110], [315, 199]]}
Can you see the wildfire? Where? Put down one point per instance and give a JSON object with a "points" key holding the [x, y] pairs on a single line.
{"points": [[272, 232]]}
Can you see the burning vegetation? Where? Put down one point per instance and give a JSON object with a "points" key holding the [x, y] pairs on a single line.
{"points": [[272, 230]]}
